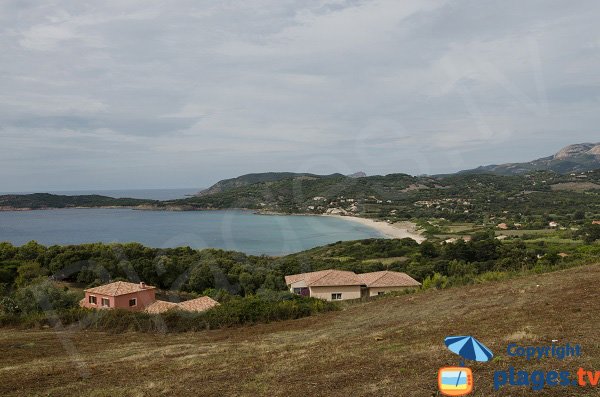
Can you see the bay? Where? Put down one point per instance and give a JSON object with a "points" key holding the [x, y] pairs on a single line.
{"points": [[232, 229]]}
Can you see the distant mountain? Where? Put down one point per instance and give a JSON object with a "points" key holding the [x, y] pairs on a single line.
{"points": [[580, 157], [250, 179], [359, 174], [46, 200]]}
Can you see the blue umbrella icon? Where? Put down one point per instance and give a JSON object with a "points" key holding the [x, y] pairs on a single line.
{"points": [[468, 348]]}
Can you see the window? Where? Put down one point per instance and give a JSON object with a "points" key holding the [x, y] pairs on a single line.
{"points": [[297, 291], [336, 297], [105, 302], [92, 300], [132, 302]]}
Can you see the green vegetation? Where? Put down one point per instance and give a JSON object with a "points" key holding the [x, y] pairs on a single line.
{"points": [[264, 177], [235, 311], [475, 201], [46, 200], [389, 347], [522, 202], [35, 279]]}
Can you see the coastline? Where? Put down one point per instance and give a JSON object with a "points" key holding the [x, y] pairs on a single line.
{"points": [[394, 230]]}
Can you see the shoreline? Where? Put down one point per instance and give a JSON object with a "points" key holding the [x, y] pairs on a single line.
{"points": [[396, 230]]}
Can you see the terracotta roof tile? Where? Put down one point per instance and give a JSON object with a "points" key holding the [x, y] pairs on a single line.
{"points": [[333, 277], [294, 278], [388, 279], [118, 288], [198, 305], [325, 278], [158, 307]]}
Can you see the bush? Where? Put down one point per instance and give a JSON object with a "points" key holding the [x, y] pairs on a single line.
{"points": [[437, 281], [236, 312], [491, 276], [44, 296]]}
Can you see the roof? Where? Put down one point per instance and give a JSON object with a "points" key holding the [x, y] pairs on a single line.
{"points": [[198, 305], [388, 278], [119, 288], [332, 277], [158, 307], [194, 305], [325, 278]]}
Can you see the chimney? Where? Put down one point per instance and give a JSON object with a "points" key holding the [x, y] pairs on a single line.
{"points": [[142, 285]]}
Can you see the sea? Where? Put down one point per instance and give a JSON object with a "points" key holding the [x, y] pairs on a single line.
{"points": [[236, 230]]}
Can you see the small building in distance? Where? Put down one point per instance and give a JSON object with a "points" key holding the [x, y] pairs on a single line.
{"points": [[334, 284], [138, 297]]}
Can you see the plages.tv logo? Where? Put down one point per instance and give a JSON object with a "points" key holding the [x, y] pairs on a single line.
{"points": [[458, 381]]}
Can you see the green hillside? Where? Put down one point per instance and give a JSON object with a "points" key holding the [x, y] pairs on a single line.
{"points": [[531, 200], [46, 200], [391, 346], [264, 177]]}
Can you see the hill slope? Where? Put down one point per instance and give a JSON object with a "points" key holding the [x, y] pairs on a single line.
{"points": [[250, 179], [573, 158], [388, 347], [47, 200]]}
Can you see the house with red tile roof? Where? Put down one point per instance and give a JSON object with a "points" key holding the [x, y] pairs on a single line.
{"points": [[379, 283], [343, 285], [138, 297], [119, 295]]}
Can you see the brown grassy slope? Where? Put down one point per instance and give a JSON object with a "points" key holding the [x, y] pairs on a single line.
{"points": [[388, 347]]}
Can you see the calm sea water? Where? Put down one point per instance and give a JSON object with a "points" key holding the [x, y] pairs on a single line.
{"points": [[232, 230]]}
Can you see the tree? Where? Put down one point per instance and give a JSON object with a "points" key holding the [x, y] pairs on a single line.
{"points": [[437, 281], [28, 272], [428, 249], [201, 278], [590, 233], [579, 215], [44, 296], [30, 251], [247, 283], [274, 282]]}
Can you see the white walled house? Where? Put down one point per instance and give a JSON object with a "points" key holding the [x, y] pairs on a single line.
{"points": [[344, 285]]}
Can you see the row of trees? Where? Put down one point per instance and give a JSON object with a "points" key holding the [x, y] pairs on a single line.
{"points": [[33, 270]]}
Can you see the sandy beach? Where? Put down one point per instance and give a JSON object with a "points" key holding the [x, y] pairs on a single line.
{"points": [[394, 230]]}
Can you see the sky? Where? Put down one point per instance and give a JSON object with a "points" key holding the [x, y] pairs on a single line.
{"points": [[163, 94]]}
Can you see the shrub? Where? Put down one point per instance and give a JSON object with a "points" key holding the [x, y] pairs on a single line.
{"points": [[491, 276], [437, 281], [236, 312], [43, 296]]}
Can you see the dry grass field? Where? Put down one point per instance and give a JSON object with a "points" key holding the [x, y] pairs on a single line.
{"points": [[388, 347]]}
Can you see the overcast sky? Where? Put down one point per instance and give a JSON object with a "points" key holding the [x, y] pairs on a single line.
{"points": [[149, 94]]}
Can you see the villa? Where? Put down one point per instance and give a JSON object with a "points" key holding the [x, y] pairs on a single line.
{"points": [[344, 285], [138, 297]]}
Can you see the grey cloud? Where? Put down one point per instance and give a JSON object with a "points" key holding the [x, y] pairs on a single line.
{"points": [[137, 93], [150, 126]]}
